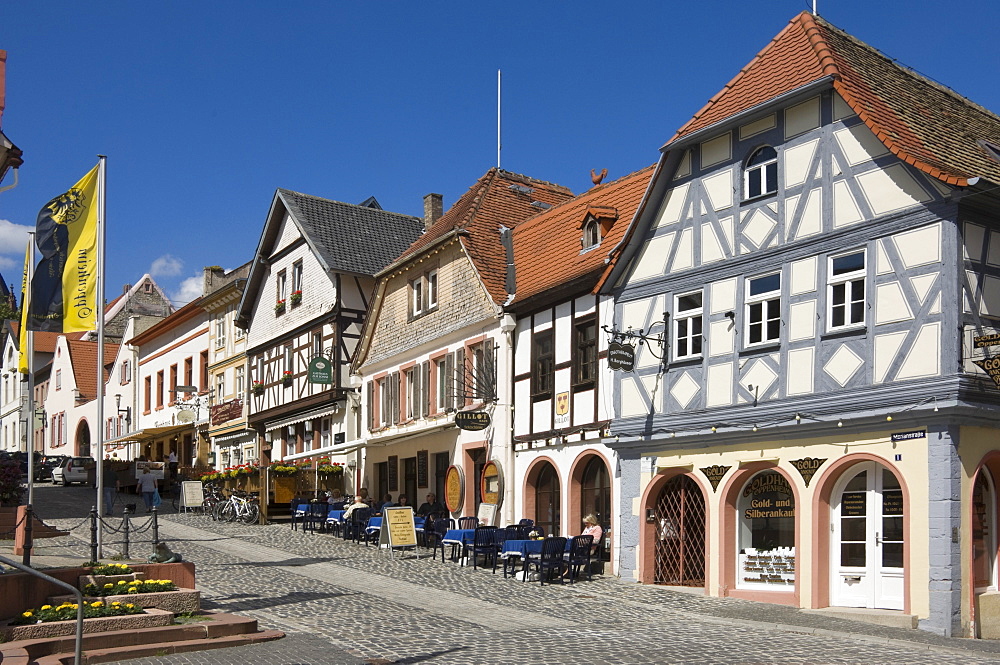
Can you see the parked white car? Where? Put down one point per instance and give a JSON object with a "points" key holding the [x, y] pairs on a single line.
{"points": [[74, 470]]}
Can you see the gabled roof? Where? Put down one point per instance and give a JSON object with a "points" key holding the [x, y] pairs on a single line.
{"points": [[83, 358], [359, 239], [547, 248], [499, 198], [45, 342], [922, 122]]}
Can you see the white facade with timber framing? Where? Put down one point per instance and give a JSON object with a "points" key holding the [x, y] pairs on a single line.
{"points": [[306, 297], [815, 434]]}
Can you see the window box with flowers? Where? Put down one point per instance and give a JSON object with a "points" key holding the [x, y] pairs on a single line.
{"points": [[257, 387], [286, 377], [282, 469], [296, 298], [279, 307]]}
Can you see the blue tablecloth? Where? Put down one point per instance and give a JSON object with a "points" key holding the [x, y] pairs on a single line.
{"points": [[522, 548], [335, 516], [459, 536]]}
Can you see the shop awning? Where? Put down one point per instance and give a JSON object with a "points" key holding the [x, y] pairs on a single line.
{"points": [[149, 434], [321, 412], [336, 449]]}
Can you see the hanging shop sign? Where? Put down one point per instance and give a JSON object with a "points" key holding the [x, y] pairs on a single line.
{"points": [[621, 356], [991, 366], [491, 483], [715, 474], [320, 371], [906, 436], [472, 421], [808, 466], [983, 341], [454, 489], [221, 413]]}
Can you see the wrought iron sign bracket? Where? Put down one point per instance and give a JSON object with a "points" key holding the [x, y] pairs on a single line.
{"points": [[643, 336]]}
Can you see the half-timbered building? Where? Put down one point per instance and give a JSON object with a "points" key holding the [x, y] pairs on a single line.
{"points": [[814, 264]]}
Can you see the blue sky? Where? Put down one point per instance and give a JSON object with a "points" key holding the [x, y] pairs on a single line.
{"points": [[205, 108]]}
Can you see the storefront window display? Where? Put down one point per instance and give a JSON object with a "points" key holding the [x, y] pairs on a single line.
{"points": [[766, 533]]}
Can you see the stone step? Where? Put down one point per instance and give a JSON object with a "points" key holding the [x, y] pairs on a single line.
{"points": [[219, 631], [893, 618]]}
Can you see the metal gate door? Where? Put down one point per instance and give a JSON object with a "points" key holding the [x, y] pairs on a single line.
{"points": [[680, 534]]}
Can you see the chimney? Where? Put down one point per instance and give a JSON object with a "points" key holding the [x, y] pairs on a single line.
{"points": [[433, 209]]}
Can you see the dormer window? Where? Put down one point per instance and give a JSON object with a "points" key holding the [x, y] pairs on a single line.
{"points": [[424, 293], [591, 234], [760, 175]]}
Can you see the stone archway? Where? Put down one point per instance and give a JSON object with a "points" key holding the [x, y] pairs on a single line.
{"points": [[81, 441]]}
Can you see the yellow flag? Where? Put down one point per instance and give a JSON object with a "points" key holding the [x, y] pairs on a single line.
{"points": [[22, 343]]}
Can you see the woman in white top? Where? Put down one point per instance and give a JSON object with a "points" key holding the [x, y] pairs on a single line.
{"points": [[147, 485]]}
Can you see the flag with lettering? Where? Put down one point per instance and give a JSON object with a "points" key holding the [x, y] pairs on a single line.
{"points": [[22, 344], [64, 286]]}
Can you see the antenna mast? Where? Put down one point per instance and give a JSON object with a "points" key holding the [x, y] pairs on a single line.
{"points": [[498, 119]]}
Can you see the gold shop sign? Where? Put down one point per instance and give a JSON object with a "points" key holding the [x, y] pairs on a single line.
{"points": [[715, 473], [991, 366], [808, 466]]}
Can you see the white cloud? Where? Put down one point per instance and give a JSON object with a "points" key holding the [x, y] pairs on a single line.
{"points": [[13, 238], [166, 266], [188, 290]]}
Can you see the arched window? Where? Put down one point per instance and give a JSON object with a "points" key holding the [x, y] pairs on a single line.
{"points": [[595, 491], [984, 546], [591, 234], [766, 523], [760, 175], [547, 499]]}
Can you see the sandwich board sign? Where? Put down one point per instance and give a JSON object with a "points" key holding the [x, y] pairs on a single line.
{"points": [[398, 529], [192, 494]]}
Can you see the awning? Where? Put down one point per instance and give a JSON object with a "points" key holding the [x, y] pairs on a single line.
{"points": [[337, 449], [150, 433], [322, 411], [241, 434]]}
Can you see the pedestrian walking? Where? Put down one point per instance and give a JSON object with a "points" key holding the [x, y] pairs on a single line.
{"points": [[147, 485]]}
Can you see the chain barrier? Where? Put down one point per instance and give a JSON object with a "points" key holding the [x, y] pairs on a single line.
{"points": [[9, 535]]}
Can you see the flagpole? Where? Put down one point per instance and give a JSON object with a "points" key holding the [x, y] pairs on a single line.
{"points": [[29, 352], [99, 312]]}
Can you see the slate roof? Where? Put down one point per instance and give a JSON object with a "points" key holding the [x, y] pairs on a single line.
{"points": [[925, 124], [352, 238], [547, 248], [499, 198]]}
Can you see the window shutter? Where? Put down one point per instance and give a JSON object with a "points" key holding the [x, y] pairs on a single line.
{"points": [[449, 381], [394, 401], [371, 405], [460, 378], [426, 391]]}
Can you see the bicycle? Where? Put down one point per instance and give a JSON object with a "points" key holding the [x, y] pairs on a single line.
{"points": [[213, 500], [241, 506]]}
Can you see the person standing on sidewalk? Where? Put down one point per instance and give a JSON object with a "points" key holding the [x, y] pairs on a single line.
{"points": [[147, 485], [172, 462], [110, 480]]}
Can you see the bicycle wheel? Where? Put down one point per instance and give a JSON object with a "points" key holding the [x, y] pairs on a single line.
{"points": [[252, 514], [228, 512], [208, 507]]}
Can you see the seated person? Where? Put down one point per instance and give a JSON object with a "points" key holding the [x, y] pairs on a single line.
{"points": [[402, 500], [359, 502], [370, 500], [431, 506], [334, 496], [592, 528], [387, 502]]}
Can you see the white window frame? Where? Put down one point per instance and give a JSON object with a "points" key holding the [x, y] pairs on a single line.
{"points": [[591, 234], [220, 332], [432, 289], [692, 321], [297, 276], [767, 300], [239, 380], [58, 379], [417, 296], [412, 391], [220, 386], [759, 173], [288, 361], [324, 430], [280, 281], [385, 402], [846, 281]]}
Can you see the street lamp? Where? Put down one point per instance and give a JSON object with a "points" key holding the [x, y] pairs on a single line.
{"points": [[127, 411]]}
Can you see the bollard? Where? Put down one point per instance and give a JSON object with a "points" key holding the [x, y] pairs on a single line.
{"points": [[156, 529], [125, 523], [28, 517], [93, 534]]}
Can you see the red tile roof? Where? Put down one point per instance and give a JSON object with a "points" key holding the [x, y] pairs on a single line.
{"points": [[498, 198], [83, 356], [547, 248], [923, 123], [45, 342]]}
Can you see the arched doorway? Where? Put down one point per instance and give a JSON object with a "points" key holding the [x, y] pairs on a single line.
{"points": [[83, 439], [866, 566], [547, 498], [984, 540], [765, 516], [595, 492], [679, 550]]}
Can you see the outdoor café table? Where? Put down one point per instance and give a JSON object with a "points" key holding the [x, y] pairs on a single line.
{"points": [[457, 537], [522, 548]]}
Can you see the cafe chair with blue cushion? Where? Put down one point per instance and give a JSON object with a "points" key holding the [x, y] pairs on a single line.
{"points": [[550, 558], [299, 510], [468, 522], [332, 523], [355, 526], [315, 517], [441, 527], [579, 556], [484, 542]]}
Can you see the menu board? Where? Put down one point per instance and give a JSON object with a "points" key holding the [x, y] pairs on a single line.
{"points": [[421, 469], [192, 494]]}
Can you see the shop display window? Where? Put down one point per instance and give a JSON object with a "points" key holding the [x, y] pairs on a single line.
{"points": [[766, 524]]}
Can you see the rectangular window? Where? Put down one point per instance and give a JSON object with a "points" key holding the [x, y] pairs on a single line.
{"points": [[445, 397], [846, 306], [687, 325], [239, 381], [317, 344], [763, 307], [585, 352], [159, 389], [279, 287], [148, 394], [412, 393], [297, 277], [220, 387], [189, 372], [220, 332], [324, 439], [58, 379], [173, 384], [203, 371], [288, 362], [542, 364], [417, 296], [432, 289], [126, 373]]}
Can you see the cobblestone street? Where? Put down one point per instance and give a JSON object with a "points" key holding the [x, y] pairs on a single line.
{"points": [[345, 603]]}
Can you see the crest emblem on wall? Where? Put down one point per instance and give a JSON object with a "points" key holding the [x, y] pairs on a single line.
{"points": [[562, 404]]}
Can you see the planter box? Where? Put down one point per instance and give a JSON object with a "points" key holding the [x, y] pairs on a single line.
{"points": [[182, 600], [101, 580], [36, 631]]}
